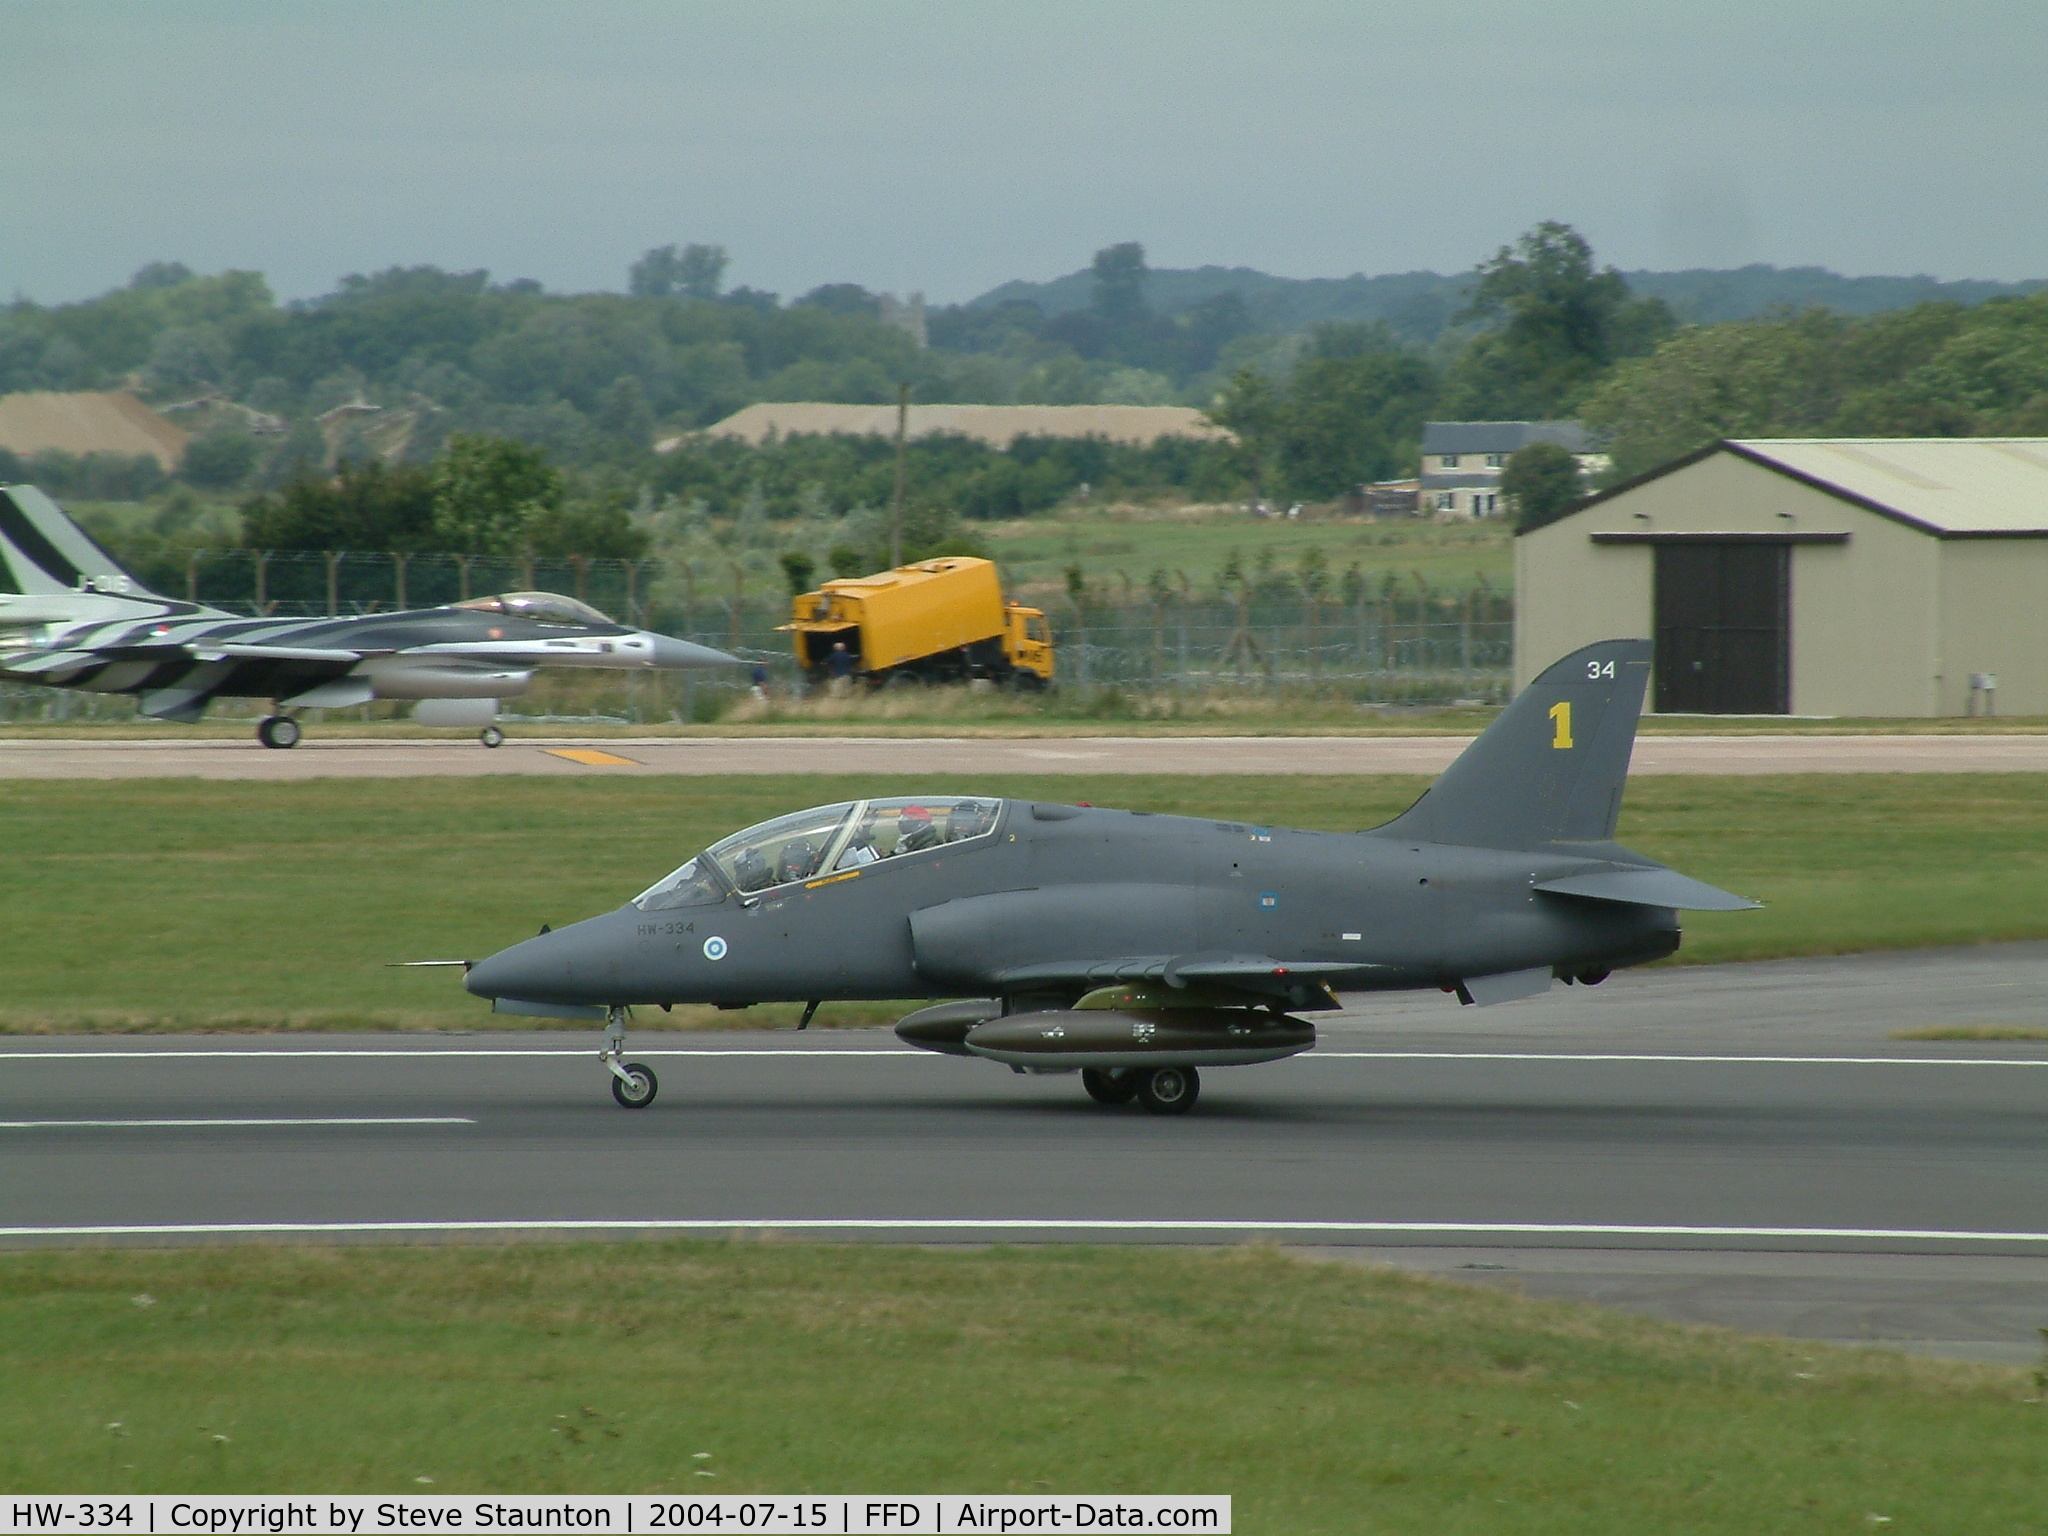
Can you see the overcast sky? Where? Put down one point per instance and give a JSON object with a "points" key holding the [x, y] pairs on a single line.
{"points": [[949, 147]]}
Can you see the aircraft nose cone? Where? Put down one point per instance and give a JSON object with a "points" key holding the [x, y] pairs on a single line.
{"points": [[670, 653], [533, 969]]}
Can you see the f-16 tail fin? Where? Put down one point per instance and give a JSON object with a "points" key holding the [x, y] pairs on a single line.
{"points": [[44, 552], [1551, 767]]}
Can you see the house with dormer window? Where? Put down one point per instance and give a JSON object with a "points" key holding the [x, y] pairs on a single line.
{"points": [[1462, 461]]}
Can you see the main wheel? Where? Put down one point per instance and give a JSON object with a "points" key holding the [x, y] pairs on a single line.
{"points": [[491, 736], [639, 1093], [1106, 1087], [278, 731], [1170, 1090]]}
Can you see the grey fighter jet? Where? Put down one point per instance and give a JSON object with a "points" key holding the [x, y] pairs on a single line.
{"points": [[75, 619], [1138, 949]]}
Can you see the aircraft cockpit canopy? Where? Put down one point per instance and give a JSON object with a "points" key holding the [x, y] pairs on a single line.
{"points": [[541, 607], [826, 840]]}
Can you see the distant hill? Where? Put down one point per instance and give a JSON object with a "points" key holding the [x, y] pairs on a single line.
{"points": [[1420, 304]]}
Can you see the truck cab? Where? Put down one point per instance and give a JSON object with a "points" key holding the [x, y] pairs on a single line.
{"points": [[1028, 644]]}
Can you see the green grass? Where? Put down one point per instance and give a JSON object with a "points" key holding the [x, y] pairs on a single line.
{"points": [[1973, 1032], [168, 903], [1133, 542], [1323, 1397]]}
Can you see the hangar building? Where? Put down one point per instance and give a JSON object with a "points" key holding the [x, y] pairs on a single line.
{"points": [[1807, 576]]}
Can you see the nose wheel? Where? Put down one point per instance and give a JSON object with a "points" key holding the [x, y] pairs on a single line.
{"points": [[634, 1085], [278, 731], [633, 1082]]}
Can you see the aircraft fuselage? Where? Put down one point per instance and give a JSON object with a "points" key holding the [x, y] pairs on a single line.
{"points": [[1024, 911]]}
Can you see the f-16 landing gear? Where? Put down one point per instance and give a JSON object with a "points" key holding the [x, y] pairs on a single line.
{"points": [[633, 1082], [278, 731]]}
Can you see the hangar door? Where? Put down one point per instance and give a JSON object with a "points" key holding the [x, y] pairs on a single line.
{"points": [[1723, 620]]}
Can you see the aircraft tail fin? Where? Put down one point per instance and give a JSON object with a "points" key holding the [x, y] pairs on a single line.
{"points": [[1551, 767], [43, 552]]}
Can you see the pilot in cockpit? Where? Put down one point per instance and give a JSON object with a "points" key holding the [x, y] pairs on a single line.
{"points": [[917, 830], [797, 861], [751, 872]]}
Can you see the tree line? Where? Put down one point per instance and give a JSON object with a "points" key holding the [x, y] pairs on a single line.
{"points": [[398, 367]]}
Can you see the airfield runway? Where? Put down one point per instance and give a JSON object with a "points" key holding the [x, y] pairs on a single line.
{"points": [[1743, 1145], [213, 758]]}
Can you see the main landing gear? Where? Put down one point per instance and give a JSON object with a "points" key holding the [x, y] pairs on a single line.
{"points": [[1162, 1090], [278, 731], [633, 1082]]}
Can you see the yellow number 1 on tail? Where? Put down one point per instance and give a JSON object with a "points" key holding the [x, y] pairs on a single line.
{"points": [[1561, 717]]}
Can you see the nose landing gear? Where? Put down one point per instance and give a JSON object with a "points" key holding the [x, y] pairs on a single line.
{"points": [[633, 1082]]}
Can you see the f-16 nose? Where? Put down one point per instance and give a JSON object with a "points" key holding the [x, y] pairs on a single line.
{"points": [[671, 653]]}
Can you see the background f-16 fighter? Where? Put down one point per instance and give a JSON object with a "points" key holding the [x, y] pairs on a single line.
{"points": [[1137, 948], [77, 620]]}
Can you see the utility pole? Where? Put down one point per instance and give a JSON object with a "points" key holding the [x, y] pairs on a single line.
{"points": [[902, 431]]}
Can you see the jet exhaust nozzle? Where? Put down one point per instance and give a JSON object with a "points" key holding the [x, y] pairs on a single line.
{"points": [[1161, 1037]]}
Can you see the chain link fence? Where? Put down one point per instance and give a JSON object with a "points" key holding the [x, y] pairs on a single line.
{"points": [[1390, 643]]}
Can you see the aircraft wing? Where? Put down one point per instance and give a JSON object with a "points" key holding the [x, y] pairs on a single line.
{"points": [[1298, 983], [1649, 888]]}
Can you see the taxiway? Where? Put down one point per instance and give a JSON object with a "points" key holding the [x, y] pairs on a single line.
{"points": [[214, 758]]}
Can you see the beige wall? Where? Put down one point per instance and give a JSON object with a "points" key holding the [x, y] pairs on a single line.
{"points": [[1570, 592], [1994, 605], [1865, 615]]}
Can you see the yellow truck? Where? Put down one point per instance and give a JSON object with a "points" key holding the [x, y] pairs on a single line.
{"points": [[937, 621]]}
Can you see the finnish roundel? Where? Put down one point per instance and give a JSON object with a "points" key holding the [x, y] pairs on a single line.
{"points": [[714, 948]]}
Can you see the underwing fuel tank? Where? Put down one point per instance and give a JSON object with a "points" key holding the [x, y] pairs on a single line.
{"points": [[1150, 1037]]}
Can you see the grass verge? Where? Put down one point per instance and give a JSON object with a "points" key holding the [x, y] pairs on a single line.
{"points": [[179, 903], [1973, 1032], [1323, 1397]]}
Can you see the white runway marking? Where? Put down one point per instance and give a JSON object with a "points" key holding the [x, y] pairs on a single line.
{"points": [[906, 1054], [972, 1225], [57, 1125]]}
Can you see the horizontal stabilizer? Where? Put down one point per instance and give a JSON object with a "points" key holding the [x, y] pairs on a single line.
{"points": [[1649, 888]]}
